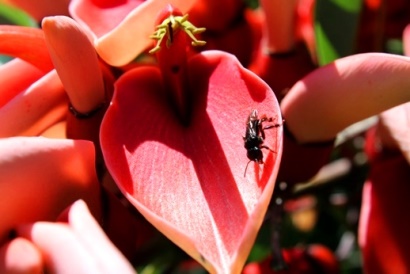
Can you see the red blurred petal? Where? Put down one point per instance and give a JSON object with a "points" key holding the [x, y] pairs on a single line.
{"points": [[188, 180], [281, 60], [124, 236], [312, 260], [325, 258], [58, 243], [384, 228], [281, 72], [31, 112], [373, 4], [20, 256], [305, 24], [394, 129], [279, 24], [300, 162], [406, 40], [380, 22], [94, 240], [241, 39], [40, 177], [26, 43], [216, 15], [16, 76]]}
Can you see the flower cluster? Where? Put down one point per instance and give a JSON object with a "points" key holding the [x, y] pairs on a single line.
{"points": [[195, 135]]}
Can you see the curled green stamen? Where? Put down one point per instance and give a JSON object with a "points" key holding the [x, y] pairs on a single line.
{"points": [[170, 26]]}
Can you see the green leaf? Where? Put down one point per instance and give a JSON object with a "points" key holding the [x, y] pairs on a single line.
{"points": [[4, 59], [13, 16], [336, 23], [394, 46], [253, 4]]}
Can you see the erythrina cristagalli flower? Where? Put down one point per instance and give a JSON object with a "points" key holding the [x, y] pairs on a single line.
{"points": [[172, 139]]}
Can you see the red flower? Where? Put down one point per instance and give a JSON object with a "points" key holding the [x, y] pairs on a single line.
{"points": [[172, 139]]}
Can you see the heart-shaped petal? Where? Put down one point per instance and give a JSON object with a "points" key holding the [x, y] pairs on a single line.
{"points": [[188, 179]]}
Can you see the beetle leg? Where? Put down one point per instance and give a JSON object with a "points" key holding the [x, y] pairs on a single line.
{"points": [[261, 130], [271, 126], [244, 174], [268, 148]]}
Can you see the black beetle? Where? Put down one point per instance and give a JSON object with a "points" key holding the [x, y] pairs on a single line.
{"points": [[255, 137]]}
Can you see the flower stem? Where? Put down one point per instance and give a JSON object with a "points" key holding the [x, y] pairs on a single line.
{"points": [[172, 50]]}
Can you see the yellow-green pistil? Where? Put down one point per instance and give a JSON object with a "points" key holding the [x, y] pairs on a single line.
{"points": [[170, 26]]}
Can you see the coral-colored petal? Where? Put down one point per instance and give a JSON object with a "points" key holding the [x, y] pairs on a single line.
{"points": [[34, 110], [188, 180], [101, 16], [26, 43], [57, 130], [406, 40], [15, 77], [60, 245], [394, 129], [80, 246], [131, 37], [20, 256], [305, 23], [279, 24], [40, 177], [95, 241], [76, 62], [344, 92]]}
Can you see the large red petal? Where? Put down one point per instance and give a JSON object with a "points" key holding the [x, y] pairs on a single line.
{"points": [[188, 180]]}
